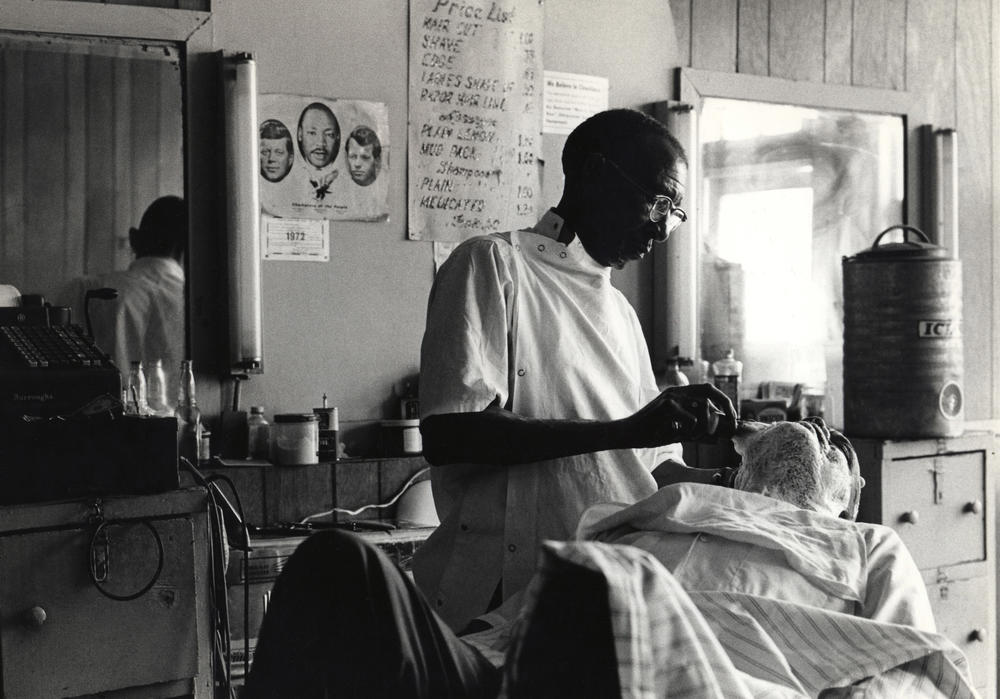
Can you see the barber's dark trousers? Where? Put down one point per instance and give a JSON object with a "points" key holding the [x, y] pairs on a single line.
{"points": [[343, 621]]}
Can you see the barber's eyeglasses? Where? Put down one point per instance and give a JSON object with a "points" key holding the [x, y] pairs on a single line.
{"points": [[663, 207]]}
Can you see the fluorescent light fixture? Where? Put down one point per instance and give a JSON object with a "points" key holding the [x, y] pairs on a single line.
{"points": [[239, 77]]}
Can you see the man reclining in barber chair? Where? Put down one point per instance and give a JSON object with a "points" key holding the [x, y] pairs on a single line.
{"points": [[767, 587]]}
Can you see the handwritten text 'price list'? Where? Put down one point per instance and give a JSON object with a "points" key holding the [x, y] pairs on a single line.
{"points": [[475, 84]]}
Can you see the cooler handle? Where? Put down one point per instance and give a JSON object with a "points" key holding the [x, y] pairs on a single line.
{"points": [[906, 231]]}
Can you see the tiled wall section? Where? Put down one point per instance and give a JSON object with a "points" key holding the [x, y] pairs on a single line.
{"points": [[277, 494]]}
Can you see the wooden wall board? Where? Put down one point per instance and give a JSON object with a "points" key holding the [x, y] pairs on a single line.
{"points": [[393, 475], [879, 44], [100, 159], [44, 155], [681, 11], [292, 493], [713, 35], [12, 211], [995, 200], [753, 37], [974, 106], [71, 263], [122, 173], [838, 41], [930, 59], [145, 110], [797, 41], [356, 484]]}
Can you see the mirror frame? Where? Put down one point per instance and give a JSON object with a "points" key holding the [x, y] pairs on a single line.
{"points": [[192, 31], [675, 264]]}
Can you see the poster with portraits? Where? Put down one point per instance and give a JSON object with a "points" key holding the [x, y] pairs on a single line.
{"points": [[323, 158]]}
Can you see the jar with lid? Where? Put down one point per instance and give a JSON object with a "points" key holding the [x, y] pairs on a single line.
{"points": [[294, 439], [257, 433]]}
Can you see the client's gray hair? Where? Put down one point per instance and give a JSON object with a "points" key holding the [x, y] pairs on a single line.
{"points": [[804, 463]]}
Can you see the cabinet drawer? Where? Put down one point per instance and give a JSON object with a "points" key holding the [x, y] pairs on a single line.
{"points": [[926, 498], [86, 642], [962, 610]]}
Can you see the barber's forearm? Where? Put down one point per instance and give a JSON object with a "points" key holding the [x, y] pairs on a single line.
{"points": [[498, 437]]}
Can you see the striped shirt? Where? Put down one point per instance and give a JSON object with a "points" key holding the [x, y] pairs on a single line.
{"points": [[670, 643]]}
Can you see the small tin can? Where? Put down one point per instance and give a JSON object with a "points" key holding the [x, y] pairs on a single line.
{"points": [[329, 429]]}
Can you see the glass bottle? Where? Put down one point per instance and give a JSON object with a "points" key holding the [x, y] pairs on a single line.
{"points": [[135, 390], [727, 374], [159, 401], [188, 415], [257, 433]]}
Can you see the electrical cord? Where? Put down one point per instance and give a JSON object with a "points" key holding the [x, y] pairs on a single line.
{"points": [[222, 646], [341, 510], [101, 530], [245, 574]]}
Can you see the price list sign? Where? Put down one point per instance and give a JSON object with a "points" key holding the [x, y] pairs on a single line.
{"points": [[474, 117]]}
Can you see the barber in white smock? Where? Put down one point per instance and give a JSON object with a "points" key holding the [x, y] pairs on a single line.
{"points": [[537, 394]]}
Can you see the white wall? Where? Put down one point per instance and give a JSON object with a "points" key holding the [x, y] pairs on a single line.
{"points": [[352, 327]]}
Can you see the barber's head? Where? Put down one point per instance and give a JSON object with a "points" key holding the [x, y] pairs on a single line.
{"points": [[804, 463], [163, 230], [624, 184]]}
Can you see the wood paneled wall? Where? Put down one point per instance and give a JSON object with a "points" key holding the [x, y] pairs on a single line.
{"points": [[201, 5], [938, 50], [87, 141]]}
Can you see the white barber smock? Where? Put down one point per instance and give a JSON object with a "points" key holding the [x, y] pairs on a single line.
{"points": [[147, 320], [535, 323]]}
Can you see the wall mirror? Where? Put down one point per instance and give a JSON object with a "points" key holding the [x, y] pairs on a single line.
{"points": [[96, 105], [786, 179], [92, 133]]}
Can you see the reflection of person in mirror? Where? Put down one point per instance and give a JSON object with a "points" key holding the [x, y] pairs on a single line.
{"points": [[146, 321], [319, 143], [276, 152], [364, 155]]}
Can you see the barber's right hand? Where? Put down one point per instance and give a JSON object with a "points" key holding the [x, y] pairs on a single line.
{"points": [[696, 413]]}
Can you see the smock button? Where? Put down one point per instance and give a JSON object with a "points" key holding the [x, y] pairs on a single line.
{"points": [[511, 547], [521, 372], [464, 527], [563, 254], [440, 601], [541, 248]]}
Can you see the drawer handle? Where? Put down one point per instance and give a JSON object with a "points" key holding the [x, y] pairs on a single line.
{"points": [[912, 517], [975, 507], [978, 635], [34, 617]]}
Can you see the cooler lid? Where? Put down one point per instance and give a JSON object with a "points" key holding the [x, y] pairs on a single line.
{"points": [[921, 249]]}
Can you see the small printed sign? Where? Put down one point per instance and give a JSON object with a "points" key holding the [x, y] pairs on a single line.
{"points": [[296, 239], [938, 329], [569, 98]]}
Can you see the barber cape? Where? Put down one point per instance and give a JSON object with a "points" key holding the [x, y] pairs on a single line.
{"points": [[670, 643], [830, 553], [675, 640]]}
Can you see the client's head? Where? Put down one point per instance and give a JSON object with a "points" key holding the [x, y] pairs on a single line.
{"points": [[804, 463]]}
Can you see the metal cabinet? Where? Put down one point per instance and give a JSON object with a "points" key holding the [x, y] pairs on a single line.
{"points": [[106, 596], [938, 494]]}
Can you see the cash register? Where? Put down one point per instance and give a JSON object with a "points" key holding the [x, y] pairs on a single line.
{"points": [[65, 432]]}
